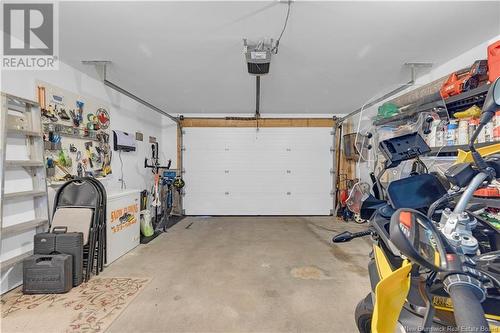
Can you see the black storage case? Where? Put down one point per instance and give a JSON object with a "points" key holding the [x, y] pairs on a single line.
{"points": [[47, 274], [66, 243]]}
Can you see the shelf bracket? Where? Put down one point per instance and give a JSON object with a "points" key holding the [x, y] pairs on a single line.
{"points": [[413, 66], [101, 66]]}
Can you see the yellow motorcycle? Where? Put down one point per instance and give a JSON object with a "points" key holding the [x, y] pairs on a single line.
{"points": [[435, 266]]}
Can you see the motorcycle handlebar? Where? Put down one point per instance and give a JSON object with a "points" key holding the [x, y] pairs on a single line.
{"points": [[468, 312]]}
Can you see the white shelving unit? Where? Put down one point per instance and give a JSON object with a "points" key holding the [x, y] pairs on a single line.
{"points": [[24, 205]]}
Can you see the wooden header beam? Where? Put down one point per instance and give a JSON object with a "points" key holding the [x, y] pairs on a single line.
{"points": [[262, 122]]}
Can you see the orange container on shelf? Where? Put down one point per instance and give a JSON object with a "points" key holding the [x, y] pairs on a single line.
{"points": [[487, 192], [494, 61]]}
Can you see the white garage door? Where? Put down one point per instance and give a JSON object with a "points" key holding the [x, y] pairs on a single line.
{"points": [[270, 171]]}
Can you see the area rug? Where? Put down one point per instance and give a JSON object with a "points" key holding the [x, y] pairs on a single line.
{"points": [[90, 307]]}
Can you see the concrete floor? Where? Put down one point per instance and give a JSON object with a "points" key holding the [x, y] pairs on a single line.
{"points": [[246, 274]]}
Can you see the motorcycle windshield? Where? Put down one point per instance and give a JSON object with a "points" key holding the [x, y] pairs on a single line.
{"points": [[422, 112], [427, 116], [359, 193]]}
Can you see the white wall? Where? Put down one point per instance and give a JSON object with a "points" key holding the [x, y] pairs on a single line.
{"points": [[463, 60], [126, 115]]}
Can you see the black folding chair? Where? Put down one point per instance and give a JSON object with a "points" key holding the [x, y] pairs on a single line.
{"points": [[80, 205]]}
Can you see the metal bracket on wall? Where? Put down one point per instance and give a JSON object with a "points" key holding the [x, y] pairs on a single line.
{"points": [[413, 66], [101, 66]]}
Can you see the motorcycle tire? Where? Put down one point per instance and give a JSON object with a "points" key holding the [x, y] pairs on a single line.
{"points": [[363, 314]]}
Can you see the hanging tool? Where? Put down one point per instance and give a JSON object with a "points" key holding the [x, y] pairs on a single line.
{"points": [[54, 138], [50, 162], [99, 155], [49, 114], [103, 117], [88, 145], [93, 122], [76, 117], [63, 114], [63, 159], [79, 170]]}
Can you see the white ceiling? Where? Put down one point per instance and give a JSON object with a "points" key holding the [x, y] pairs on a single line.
{"points": [[186, 57]]}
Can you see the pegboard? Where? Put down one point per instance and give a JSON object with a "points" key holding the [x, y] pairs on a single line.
{"points": [[76, 134]]}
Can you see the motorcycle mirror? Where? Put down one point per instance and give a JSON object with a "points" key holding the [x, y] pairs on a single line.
{"points": [[491, 102], [342, 237], [417, 238]]}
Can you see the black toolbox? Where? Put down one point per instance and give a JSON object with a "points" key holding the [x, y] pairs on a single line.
{"points": [[47, 274], [60, 241]]}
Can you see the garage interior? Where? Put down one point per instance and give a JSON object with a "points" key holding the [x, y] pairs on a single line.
{"points": [[205, 166]]}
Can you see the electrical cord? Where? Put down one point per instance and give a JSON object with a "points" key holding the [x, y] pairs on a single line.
{"points": [[446, 198], [275, 48], [122, 180]]}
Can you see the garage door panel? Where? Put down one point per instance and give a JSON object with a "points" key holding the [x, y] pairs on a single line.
{"points": [[199, 160], [235, 159], [252, 181], [247, 138], [273, 171], [311, 173], [206, 203], [260, 188], [260, 148], [301, 178], [242, 168], [261, 204]]}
